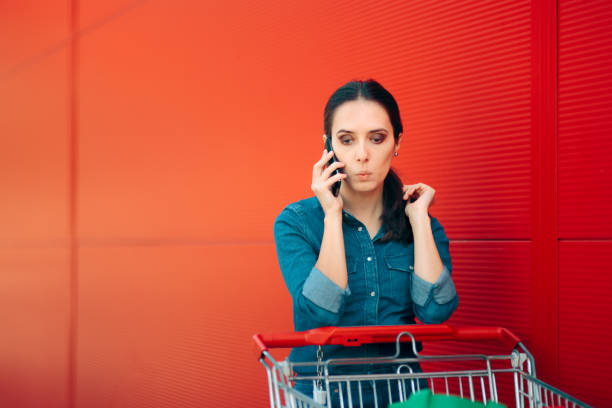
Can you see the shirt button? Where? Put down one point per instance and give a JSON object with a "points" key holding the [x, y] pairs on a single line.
{"points": [[360, 229], [369, 258], [373, 294]]}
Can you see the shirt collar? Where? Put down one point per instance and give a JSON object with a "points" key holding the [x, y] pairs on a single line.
{"points": [[349, 219]]}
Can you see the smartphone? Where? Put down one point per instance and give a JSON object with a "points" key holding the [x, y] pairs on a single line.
{"points": [[335, 188]]}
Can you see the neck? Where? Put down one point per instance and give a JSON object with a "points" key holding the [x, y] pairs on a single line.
{"points": [[364, 206]]}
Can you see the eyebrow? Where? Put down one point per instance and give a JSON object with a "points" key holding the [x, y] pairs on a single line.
{"points": [[371, 131]]}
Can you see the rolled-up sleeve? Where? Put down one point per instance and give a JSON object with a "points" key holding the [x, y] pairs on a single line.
{"points": [[317, 301], [323, 292], [436, 302]]}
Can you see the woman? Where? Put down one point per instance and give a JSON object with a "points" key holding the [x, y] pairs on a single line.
{"points": [[372, 255]]}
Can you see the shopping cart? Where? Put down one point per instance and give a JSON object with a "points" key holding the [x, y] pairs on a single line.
{"points": [[478, 383]]}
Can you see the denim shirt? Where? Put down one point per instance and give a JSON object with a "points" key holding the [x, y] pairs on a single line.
{"points": [[382, 286]]}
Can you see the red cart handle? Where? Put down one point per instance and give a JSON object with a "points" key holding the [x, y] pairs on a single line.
{"points": [[356, 336]]}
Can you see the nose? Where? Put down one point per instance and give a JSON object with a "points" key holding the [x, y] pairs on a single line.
{"points": [[361, 153]]}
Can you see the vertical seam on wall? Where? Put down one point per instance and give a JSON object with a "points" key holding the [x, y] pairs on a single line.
{"points": [[556, 113], [73, 183], [545, 251]]}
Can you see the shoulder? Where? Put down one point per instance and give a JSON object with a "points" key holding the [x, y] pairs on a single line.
{"points": [[308, 207], [301, 212]]}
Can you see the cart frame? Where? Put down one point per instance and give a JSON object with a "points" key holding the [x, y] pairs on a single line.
{"points": [[481, 383]]}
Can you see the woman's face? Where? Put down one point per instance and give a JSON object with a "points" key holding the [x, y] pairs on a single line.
{"points": [[362, 138]]}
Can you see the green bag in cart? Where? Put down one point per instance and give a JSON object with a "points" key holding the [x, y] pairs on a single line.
{"points": [[425, 399]]}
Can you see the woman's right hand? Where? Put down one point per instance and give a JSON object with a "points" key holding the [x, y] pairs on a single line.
{"points": [[322, 182]]}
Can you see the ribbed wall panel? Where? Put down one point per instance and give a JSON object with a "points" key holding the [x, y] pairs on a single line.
{"points": [[34, 211], [34, 319], [171, 326], [456, 69], [34, 154], [229, 137], [585, 309], [495, 274], [585, 119], [465, 100], [585, 181]]}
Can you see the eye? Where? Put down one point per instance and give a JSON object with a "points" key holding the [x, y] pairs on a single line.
{"points": [[346, 139], [378, 138]]}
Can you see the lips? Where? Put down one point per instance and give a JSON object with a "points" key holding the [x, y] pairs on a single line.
{"points": [[363, 175]]}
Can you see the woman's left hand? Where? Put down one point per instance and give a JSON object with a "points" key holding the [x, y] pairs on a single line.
{"points": [[424, 198]]}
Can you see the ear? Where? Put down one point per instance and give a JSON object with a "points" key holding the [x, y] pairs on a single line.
{"points": [[324, 138], [399, 140]]}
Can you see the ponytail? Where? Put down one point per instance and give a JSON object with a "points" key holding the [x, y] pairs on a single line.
{"points": [[394, 217]]}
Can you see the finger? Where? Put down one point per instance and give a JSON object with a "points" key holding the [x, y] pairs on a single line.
{"points": [[409, 190], [407, 186], [316, 169], [330, 169], [333, 179], [325, 157], [320, 162], [416, 185], [421, 187]]}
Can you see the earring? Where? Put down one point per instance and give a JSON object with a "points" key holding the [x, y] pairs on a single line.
{"points": [[395, 154]]}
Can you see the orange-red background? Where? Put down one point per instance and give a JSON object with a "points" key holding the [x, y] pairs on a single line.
{"points": [[146, 147]]}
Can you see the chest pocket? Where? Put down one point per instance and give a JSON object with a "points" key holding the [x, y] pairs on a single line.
{"points": [[400, 267]]}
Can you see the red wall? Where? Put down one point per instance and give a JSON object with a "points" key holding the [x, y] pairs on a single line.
{"points": [[585, 201], [146, 147]]}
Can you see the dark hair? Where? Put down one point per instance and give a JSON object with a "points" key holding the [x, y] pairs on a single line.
{"points": [[394, 218]]}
